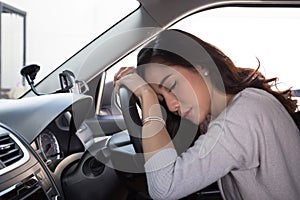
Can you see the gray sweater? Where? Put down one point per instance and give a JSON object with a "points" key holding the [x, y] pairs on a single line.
{"points": [[252, 149]]}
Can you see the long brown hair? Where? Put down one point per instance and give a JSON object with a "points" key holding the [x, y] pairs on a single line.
{"points": [[176, 47]]}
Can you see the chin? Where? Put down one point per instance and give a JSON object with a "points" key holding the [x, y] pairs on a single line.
{"points": [[195, 121], [203, 120]]}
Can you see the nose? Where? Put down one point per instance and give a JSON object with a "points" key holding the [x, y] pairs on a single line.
{"points": [[172, 102]]}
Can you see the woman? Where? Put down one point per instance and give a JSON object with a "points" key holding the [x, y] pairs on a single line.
{"points": [[251, 145]]}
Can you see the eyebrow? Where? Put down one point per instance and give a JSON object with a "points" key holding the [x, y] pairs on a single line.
{"points": [[163, 81]]}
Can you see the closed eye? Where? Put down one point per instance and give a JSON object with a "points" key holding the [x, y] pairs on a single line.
{"points": [[172, 87]]}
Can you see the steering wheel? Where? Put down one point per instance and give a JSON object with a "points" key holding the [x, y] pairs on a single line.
{"points": [[133, 122]]}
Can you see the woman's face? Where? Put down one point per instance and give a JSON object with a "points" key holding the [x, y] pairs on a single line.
{"points": [[184, 91]]}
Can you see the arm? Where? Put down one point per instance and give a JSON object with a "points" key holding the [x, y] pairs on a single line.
{"points": [[170, 175], [155, 135]]}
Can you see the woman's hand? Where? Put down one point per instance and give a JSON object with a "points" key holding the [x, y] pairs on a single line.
{"points": [[128, 77], [154, 134]]}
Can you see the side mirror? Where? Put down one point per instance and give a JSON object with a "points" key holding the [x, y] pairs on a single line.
{"points": [[68, 83]]}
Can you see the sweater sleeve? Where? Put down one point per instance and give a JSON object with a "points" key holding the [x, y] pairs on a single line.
{"points": [[229, 144], [172, 177]]}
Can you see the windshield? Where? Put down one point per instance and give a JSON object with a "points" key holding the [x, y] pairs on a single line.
{"points": [[47, 33]]}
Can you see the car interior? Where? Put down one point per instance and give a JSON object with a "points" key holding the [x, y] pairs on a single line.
{"points": [[71, 136]]}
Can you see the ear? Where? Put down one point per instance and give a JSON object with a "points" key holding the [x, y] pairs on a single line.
{"points": [[203, 71]]}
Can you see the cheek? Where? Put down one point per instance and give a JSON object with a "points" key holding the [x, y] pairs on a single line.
{"points": [[185, 94], [204, 103], [203, 96]]}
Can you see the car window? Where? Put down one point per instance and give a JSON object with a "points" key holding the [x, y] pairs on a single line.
{"points": [[109, 102], [50, 36], [245, 34]]}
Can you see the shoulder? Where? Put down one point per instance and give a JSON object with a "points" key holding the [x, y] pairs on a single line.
{"points": [[255, 101], [252, 109], [254, 95], [251, 116]]}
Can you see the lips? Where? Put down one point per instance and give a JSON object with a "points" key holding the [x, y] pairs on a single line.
{"points": [[187, 114]]}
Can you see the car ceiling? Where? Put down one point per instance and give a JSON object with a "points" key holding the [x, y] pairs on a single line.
{"points": [[176, 8]]}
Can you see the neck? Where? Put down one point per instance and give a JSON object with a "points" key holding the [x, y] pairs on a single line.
{"points": [[219, 101]]}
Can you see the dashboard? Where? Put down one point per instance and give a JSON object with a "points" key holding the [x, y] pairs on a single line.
{"points": [[49, 147], [57, 141], [37, 134], [22, 175]]}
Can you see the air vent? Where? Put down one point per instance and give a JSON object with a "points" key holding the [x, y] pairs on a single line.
{"points": [[12, 153]]}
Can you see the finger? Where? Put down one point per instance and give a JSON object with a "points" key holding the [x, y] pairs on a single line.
{"points": [[132, 81], [126, 79], [127, 71], [123, 72], [117, 75]]}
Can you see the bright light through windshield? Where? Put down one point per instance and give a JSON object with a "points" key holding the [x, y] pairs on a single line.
{"points": [[55, 30], [245, 34]]}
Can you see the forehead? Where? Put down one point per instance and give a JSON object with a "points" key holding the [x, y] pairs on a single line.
{"points": [[154, 73]]}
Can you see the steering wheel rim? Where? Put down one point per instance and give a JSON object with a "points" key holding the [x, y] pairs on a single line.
{"points": [[133, 122]]}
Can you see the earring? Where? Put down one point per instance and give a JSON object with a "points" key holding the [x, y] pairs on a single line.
{"points": [[206, 73]]}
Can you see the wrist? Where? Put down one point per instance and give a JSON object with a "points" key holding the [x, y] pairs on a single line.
{"points": [[148, 94], [149, 104]]}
